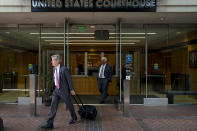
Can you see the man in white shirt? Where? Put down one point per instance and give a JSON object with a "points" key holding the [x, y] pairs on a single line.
{"points": [[104, 77]]}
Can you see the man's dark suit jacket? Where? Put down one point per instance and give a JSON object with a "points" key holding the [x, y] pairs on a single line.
{"points": [[65, 80], [107, 72]]}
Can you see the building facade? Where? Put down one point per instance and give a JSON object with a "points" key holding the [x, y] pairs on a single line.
{"points": [[159, 35]]}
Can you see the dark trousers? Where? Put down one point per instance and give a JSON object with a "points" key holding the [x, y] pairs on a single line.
{"points": [[54, 105], [103, 87]]}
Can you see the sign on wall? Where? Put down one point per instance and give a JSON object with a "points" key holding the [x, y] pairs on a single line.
{"points": [[156, 66], [129, 58], [129, 61], [93, 5]]}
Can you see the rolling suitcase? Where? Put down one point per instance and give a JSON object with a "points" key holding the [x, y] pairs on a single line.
{"points": [[85, 111]]}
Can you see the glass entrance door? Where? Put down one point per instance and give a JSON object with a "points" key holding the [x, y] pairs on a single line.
{"points": [[133, 43], [87, 44], [81, 47], [52, 39], [19, 49]]}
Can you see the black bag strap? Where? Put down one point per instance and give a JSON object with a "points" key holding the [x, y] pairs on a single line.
{"points": [[78, 99], [76, 102]]}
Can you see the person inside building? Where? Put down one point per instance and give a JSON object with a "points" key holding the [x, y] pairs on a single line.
{"points": [[104, 77]]}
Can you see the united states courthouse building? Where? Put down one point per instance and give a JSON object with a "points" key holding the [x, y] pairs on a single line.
{"points": [[158, 36]]}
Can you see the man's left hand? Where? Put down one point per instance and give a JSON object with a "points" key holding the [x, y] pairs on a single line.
{"points": [[73, 93]]}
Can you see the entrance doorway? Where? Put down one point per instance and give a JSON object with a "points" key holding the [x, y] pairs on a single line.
{"points": [[84, 47], [162, 59]]}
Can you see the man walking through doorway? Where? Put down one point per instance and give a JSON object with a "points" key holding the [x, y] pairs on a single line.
{"points": [[104, 77], [62, 82]]}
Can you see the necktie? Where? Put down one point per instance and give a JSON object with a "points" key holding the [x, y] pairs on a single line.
{"points": [[56, 79], [101, 74]]}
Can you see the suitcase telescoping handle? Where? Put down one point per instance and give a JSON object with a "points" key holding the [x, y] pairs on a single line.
{"points": [[78, 99]]}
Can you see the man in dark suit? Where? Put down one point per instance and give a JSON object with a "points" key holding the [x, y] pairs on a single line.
{"points": [[104, 77], [63, 85]]}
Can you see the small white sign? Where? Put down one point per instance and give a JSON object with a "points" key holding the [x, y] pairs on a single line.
{"points": [[127, 77]]}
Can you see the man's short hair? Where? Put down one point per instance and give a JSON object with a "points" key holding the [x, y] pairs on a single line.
{"points": [[57, 57], [104, 58]]}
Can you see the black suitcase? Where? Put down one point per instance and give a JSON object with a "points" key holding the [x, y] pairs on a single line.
{"points": [[85, 111]]}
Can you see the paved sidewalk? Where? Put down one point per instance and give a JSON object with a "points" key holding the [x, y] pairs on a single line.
{"points": [[171, 118]]}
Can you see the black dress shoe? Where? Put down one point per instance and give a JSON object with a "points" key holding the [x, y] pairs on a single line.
{"points": [[73, 121], [48, 126]]}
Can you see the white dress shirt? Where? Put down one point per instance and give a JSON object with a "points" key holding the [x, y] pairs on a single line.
{"points": [[58, 69], [102, 75]]}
